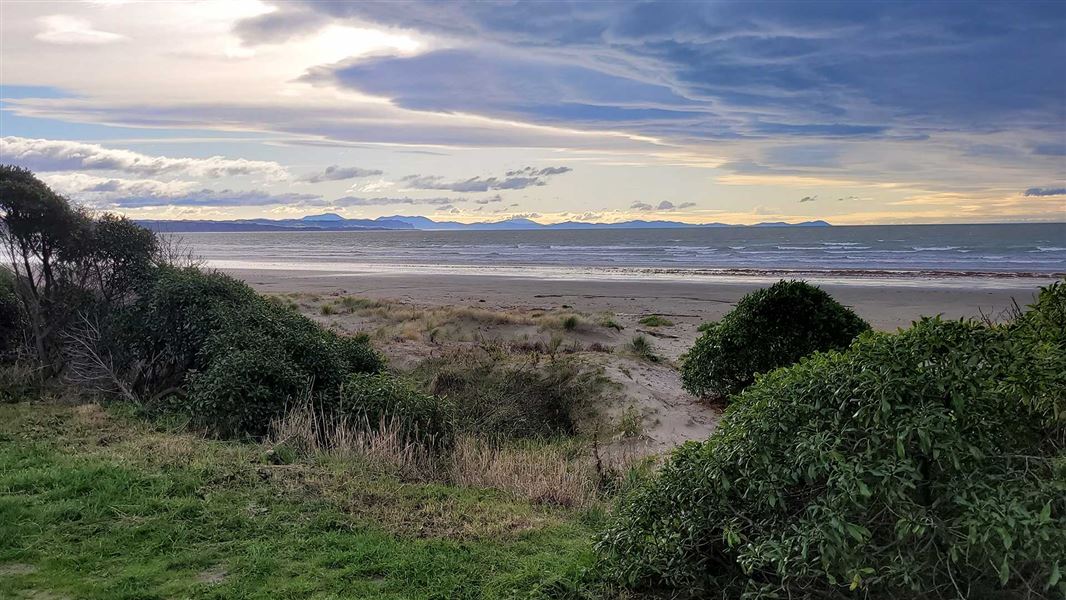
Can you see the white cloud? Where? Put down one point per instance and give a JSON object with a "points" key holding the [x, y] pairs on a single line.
{"points": [[64, 29], [82, 186], [61, 155], [119, 193]]}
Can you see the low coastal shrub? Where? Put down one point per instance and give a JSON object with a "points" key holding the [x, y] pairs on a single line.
{"points": [[769, 328], [497, 396], [242, 356], [380, 398], [923, 464]]}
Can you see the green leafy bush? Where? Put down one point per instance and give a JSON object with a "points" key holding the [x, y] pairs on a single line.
{"points": [[769, 328], [923, 464], [242, 356], [494, 396], [379, 398]]}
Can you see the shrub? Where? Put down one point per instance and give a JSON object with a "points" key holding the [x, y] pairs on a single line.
{"points": [[242, 356], [380, 398], [769, 328], [496, 398], [918, 464]]}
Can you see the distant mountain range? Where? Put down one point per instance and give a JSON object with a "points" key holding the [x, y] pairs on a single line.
{"points": [[335, 222]]}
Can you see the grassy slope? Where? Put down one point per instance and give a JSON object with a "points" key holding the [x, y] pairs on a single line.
{"points": [[94, 505]]}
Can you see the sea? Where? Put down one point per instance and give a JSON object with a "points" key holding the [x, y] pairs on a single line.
{"points": [[987, 253]]}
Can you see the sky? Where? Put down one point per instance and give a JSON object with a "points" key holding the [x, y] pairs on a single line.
{"points": [[735, 112]]}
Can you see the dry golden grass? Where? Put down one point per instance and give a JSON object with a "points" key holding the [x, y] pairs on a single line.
{"points": [[569, 475], [305, 431], [542, 474], [399, 321]]}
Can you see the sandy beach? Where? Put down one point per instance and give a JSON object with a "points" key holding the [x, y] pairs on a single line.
{"points": [[886, 304], [417, 316]]}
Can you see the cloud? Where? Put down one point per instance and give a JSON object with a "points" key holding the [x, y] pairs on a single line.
{"points": [[63, 29], [95, 191], [338, 173], [1036, 191], [535, 172], [514, 180], [496, 198], [720, 70], [280, 25], [1052, 149], [664, 206], [384, 201], [213, 198], [808, 199], [113, 192], [60, 155]]}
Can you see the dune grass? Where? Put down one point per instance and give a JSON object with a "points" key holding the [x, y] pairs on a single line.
{"points": [[656, 321], [94, 505]]}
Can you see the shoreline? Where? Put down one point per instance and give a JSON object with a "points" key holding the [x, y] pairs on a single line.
{"points": [[886, 304], [851, 277]]}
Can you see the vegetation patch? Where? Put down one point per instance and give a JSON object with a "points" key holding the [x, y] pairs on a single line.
{"points": [[769, 328], [926, 464], [641, 347], [497, 395], [99, 507], [656, 321]]}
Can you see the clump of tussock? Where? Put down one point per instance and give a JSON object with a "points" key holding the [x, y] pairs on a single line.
{"points": [[544, 474], [642, 348], [553, 472], [306, 431], [656, 321]]}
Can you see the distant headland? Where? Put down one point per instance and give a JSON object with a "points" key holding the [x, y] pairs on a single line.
{"points": [[335, 222]]}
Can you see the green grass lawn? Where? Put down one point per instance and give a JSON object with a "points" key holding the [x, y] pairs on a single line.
{"points": [[97, 505]]}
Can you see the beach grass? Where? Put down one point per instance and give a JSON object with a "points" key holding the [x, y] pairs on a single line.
{"points": [[94, 504]]}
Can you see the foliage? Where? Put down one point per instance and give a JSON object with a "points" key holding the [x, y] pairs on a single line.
{"points": [[495, 396], [922, 464], [1041, 374], [380, 398], [66, 261], [242, 356], [769, 328], [155, 514], [10, 316], [656, 321], [642, 347]]}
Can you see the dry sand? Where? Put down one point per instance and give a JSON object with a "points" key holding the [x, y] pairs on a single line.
{"points": [[669, 414]]}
